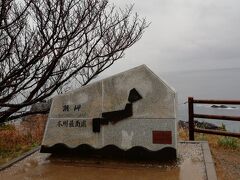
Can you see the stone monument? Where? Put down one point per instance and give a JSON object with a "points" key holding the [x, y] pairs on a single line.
{"points": [[132, 110]]}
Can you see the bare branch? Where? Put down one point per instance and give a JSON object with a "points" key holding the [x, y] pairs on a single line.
{"points": [[50, 46]]}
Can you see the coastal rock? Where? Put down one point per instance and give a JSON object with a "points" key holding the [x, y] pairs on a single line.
{"points": [[219, 106], [205, 125]]}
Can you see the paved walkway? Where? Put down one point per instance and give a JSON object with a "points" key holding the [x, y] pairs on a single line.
{"points": [[194, 162]]}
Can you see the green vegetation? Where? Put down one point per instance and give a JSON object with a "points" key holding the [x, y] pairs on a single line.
{"points": [[213, 140], [229, 142], [223, 127], [201, 137]]}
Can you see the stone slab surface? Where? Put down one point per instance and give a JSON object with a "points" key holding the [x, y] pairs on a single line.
{"points": [[81, 103], [125, 134], [71, 116], [158, 99]]}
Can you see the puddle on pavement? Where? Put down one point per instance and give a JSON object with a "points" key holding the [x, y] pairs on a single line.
{"points": [[86, 169]]}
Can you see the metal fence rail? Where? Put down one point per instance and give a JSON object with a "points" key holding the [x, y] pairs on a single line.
{"points": [[191, 117]]}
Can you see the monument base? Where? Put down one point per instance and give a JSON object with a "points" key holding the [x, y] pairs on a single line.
{"points": [[112, 152]]}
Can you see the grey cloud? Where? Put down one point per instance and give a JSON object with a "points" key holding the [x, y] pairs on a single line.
{"points": [[185, 35]]}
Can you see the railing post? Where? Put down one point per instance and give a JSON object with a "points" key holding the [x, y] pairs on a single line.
{"points": [[190, 119]]}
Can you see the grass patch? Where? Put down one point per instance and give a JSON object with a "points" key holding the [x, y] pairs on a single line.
{"points": [[213, 140], [229, 142]]}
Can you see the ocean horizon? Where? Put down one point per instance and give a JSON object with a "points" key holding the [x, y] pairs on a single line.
{"points": [[218, 84]]}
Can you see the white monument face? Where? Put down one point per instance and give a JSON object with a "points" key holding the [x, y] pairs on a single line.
{"points": [[131, 109]]}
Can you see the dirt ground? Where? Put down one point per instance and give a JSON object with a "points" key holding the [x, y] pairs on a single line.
{"points": [[227, 163]]}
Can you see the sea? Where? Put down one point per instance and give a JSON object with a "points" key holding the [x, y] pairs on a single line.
{"points": [[217, 84]]}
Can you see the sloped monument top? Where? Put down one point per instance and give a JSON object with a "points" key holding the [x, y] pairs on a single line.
{"points": [[131, 109]]}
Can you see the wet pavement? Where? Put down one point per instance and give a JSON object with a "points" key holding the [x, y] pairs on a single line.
{"points": [[190, 165]]}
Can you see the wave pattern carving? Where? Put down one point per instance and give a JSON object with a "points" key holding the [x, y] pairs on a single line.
{"points": [[112, 151]]}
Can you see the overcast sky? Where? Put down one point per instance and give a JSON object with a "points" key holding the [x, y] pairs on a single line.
{"points": [[184, 35]]}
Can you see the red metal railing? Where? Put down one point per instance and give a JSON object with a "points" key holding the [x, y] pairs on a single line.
{"points": [[191, 117]]}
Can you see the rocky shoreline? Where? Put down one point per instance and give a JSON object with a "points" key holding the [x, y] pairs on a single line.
{"points": [[204, 125]]}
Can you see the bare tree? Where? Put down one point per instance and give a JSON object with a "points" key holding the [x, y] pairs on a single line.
{"points": [[46, 44]]}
